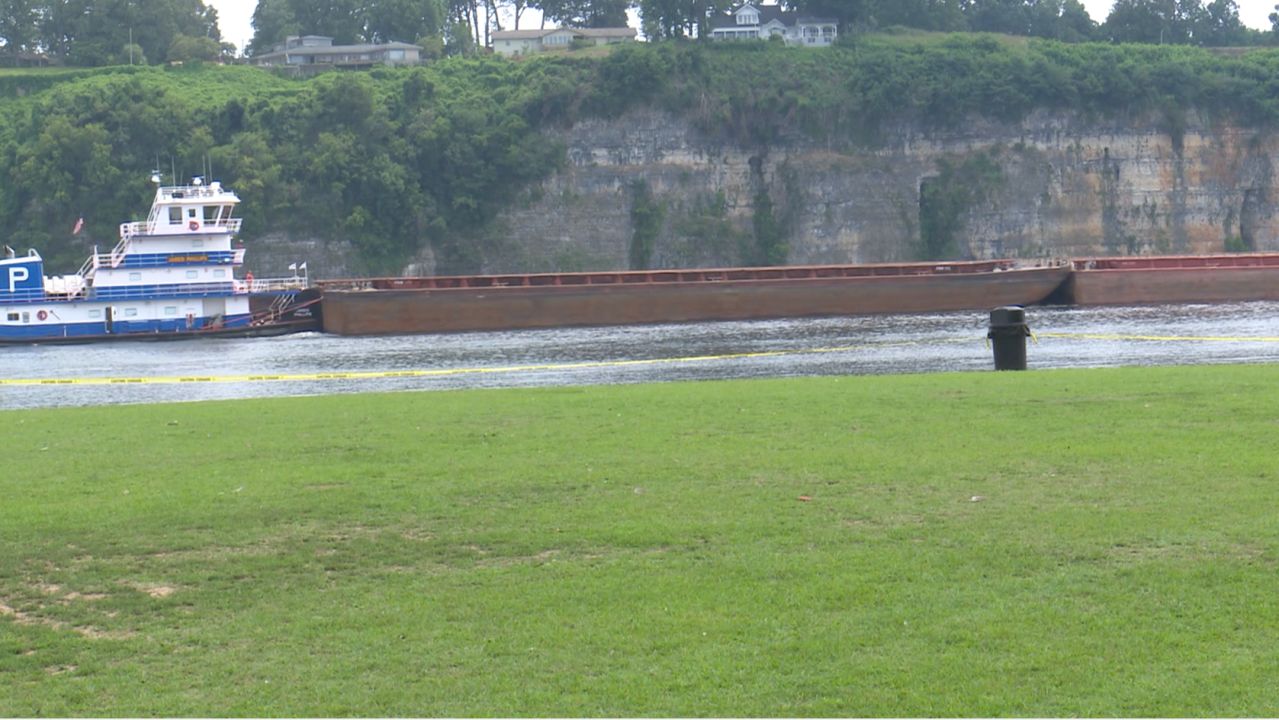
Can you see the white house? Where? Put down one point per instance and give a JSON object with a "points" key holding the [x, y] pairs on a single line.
{"points": [[523, 42], [752, 21]]}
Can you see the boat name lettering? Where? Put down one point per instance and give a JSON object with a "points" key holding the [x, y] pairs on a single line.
{"points": [[188, 258]]}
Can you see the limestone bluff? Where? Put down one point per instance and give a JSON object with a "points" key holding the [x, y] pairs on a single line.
{"points": [[1064, 185]]}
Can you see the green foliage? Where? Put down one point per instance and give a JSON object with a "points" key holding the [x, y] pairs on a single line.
{"points": [[647, 215], [701, 231], [947, 197], [770, 247]]}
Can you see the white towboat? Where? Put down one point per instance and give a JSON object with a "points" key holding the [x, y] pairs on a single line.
{"points": [[171, 275]]}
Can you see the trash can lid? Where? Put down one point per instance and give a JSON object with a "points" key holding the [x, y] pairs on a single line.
{"points": [[1008, 315]]}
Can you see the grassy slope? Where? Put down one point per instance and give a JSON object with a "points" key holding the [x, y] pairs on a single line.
{"points": [[1095, 542]]}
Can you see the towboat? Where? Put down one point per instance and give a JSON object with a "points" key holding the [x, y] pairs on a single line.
{"points": [[172, 275]]}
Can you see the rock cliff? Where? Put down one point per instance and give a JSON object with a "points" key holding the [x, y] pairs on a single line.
{"points": [[649, 190]]}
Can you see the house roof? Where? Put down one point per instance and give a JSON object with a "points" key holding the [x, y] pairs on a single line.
{"points": [[338, 49], [607, 32], [580, 32]]}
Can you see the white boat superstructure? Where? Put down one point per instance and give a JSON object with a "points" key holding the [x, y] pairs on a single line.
{"points": [[174, 272]]}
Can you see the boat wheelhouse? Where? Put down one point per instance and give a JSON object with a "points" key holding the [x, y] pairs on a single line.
{"points": [[172, 274]]}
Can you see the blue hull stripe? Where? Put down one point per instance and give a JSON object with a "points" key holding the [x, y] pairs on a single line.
{"points": [[120, 327]]}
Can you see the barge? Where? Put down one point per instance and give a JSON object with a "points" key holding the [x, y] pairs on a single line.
{"points": [[1172, 279], [170, 276], [382, 306]]}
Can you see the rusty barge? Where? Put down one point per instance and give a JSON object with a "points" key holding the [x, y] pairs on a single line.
{"points": [[1172, 279], [383, 306]]}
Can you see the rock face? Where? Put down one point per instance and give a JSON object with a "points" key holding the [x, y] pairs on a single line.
{"points": [[649, 190]]}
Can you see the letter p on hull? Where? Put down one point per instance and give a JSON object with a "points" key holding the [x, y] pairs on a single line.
{"points": [[18, 275]]}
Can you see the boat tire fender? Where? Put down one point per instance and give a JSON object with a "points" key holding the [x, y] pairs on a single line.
{"points": [[42, 315], [194, 225]]}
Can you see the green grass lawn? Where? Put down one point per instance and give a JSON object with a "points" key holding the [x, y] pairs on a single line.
{"points": [[1094, 542]]}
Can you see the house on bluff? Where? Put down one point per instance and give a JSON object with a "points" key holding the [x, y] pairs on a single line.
{"points": [[523, 42], [314, 53], [752, 21]]}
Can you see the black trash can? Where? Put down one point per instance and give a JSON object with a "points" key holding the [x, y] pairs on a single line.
{"points": [[1007, 335]]}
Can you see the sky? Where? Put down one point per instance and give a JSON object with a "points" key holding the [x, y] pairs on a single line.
{"points": [[235, 16]]}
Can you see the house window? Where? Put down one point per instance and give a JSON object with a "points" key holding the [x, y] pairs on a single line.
{"points": [[748, 18]]}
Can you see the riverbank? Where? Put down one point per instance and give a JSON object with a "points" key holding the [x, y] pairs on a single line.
{"points": [[1096, 542]]}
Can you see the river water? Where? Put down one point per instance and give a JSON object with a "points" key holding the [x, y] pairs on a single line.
{"points": [[314, 363]]}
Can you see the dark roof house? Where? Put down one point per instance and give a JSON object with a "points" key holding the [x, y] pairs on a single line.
{"points": [[310, 53]]}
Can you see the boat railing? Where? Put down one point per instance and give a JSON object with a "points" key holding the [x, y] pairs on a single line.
{"points": [[154, 291], [263, 286], [146, 227], [91, 264]]}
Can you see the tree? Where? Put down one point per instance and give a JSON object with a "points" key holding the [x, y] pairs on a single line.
{"points": [[1154, 21], [18, 31], [185, 48], [1220, 25], [1066, 20], [273, 21], [586, 13], [941, 15], [671, 19], [847, 12], [403, 20]]}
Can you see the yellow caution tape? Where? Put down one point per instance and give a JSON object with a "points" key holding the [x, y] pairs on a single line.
{"points": [[385, 374]]}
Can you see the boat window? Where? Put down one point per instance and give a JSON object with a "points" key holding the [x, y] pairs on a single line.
{"points": [[135, 277], [95, 314], [219, 273], [197, 243], [170, 309], [191, 213], [13, 317], [175, 215], [193, 274], [26, 317], [210, 213], [130, 312]]}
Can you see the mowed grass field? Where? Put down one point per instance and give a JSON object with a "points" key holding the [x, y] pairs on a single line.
{"points": [[1095, 542]]}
